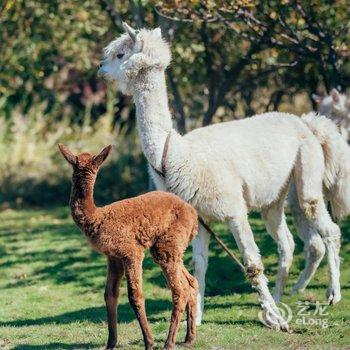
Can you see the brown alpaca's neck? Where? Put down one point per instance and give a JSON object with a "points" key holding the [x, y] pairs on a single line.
{"points": [[82, 203]]}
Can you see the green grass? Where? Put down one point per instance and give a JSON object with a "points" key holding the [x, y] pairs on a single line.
{"points": [[51, 293]]}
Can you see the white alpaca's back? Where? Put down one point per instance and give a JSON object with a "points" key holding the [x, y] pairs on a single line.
{"points": [[257, 154]]}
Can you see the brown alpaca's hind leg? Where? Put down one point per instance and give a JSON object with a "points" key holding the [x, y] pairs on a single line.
{"points": [[115, 273], [178, 284], [133, 272], [191, 307]]}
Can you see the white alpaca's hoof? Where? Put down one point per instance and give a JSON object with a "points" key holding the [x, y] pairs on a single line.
{"points": [[198, 323], [333, 297], [277, 323], [276, 317]]}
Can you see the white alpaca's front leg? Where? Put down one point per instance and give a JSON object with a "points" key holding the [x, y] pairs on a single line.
{"points": [[200, 250], [277, 227], [255, 271]]}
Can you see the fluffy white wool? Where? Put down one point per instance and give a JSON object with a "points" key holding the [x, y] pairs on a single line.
{"points": [[336, 107], [226, 170], [337, 159], [336, 180]]}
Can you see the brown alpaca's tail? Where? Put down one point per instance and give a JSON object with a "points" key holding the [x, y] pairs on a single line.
{"points": [[188, 218], [190, 279], [194, 230]]}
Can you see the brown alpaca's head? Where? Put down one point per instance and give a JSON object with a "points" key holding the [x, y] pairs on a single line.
{"points": [[85, 165]]}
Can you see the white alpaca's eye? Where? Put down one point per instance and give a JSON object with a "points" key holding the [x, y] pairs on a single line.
{"points": [[120, 55]]}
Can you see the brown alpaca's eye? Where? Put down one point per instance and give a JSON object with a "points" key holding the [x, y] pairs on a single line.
{"points": [[120, 55]]}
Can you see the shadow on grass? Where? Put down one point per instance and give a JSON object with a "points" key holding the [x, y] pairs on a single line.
{"points": [[154, 307], [230, 304], [58, 345], [251, 322], [80, 265], [55, 345], [54, 262], [94, 315]]}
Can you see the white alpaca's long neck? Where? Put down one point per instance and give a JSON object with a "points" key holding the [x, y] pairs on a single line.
{"points": [[152, 114]]}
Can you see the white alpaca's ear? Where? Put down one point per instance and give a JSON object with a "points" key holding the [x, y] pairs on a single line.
{"points": [[130, 31], [157, 32], [316, 98], [136, 62], [335, 95]]}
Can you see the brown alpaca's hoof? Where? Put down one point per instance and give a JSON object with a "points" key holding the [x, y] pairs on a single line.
{"points": [[111, 345], [150, 345], [169, 347], [189, 341]]}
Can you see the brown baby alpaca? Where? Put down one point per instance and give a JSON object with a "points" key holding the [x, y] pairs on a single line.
{"points": [[158, 221]]}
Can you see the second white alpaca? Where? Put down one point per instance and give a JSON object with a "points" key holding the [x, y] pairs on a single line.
{"points": [[228, 169], [336, 181], [336, 107]]}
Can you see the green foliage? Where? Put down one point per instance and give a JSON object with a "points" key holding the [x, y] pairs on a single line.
{"points": [[222, 69], [288, 48], [52, 284], [32, 171], [44, 45]]}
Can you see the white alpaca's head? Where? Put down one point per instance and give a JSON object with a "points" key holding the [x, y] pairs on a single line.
{"points": [[134, 53], [336, 105]]}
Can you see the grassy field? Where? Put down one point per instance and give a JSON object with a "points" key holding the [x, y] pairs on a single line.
{"points": [[51, 293]]}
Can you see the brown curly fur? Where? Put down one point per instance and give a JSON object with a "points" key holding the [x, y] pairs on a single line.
{"points": [[158, 221]]}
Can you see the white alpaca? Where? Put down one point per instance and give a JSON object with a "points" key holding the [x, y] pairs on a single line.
{"points": [[226, 170], [336, 107], [336, 183]]}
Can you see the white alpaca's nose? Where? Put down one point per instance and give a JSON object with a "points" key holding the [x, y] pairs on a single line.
{"points": [[101, 72]]}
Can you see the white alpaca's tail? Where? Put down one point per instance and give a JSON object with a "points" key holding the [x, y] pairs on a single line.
{"points": [[337, 162]]}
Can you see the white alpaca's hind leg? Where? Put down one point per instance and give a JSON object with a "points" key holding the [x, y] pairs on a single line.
{"points": [[243, 235], [330, 233], [200, 250], [314, 251], [276, 226], [314, 248], [309, 166]]}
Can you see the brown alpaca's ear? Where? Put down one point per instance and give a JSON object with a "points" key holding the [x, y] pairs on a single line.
{"points": [[67, 154], [100, 158]]}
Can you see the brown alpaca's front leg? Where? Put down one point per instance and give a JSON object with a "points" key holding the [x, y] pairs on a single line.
{"points": [[115, 273], [133, 272]]}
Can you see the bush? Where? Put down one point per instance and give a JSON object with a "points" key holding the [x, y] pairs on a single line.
{"points": [[33, 172]]}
